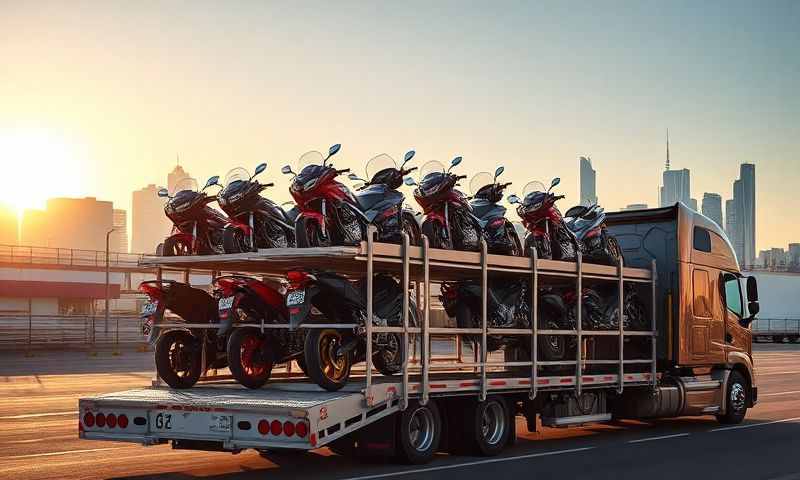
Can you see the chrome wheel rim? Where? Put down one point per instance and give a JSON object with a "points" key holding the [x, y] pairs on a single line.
{"points": [[421, 429], [493, 423], [738, 397]]}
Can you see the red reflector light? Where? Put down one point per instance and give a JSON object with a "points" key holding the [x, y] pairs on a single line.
{"points": [[111, 420], [296, 276], [313, 440], [263, 427], [100, 419], [275, 427], [301, 429], [88, 419], [288, 428], [122, 421]]}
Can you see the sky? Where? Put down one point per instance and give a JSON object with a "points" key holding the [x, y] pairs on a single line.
{"points": [[98, 98]]}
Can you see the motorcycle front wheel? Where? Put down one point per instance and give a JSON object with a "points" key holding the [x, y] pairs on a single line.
{"points": [[411, 228], [233, 241], [176, 247], [308, 233], [389, 359], [325, 364], [435, 233], [178, 357]]}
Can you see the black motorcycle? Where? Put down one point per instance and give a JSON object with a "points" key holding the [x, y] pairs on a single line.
{"points": [[500, 234], [197, 228], [254, 221], [179, 350], [329, 352]]}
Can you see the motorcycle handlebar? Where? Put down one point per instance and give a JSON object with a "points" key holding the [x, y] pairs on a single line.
{"points": [[559, 197], [339, 172], [406, 172], [460, 177]]}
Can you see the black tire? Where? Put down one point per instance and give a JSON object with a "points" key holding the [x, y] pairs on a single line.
{"points": [[160, 249], [419, 432], [390, 361], [308, 233], [327, 369], [613, 250], [233, 241], [249, 357], [737, 398], [486, 427], [411, 227], [435, 233], [516, 245], [301, 363], [178, 358], [176, 247], [541, 244]]}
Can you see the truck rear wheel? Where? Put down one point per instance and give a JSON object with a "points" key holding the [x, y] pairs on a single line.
{"points": [[419, 433], [736, 399], [485, 430]]}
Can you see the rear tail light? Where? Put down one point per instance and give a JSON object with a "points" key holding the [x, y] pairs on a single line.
{"points": [[298, 278], [263, 427], [275, 427], [88, 419], [301, 429], [288, 428], [122, 421], [111, 420], [100, 419]]}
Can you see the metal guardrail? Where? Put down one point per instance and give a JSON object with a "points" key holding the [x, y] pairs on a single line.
{"points": [[769, 326], [23, 254], [21, 331]]}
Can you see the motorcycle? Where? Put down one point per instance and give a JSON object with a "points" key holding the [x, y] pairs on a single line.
{"points": [[508, 306], [330, 352], [500, 234], [253, 221], [449, 222], [252, 353], [179, 350], [553, 236], [382, 203], [197, 228]]}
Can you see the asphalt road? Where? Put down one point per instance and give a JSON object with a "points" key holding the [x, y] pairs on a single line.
{"points": [[38, 436]]}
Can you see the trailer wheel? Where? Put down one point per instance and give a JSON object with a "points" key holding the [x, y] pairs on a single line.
{"points": [[249, 357], [736, 399], [325, 365], [419, 433], [178, 358], [487, 427]]}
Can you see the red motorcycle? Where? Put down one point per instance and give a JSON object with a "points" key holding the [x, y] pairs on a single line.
{"points": [[251, 352], [197, 228]]}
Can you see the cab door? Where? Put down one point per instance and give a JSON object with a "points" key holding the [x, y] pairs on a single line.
{"points": [[738, 337]]}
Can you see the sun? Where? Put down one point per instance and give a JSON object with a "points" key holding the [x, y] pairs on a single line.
{"points": [[37, 164]]}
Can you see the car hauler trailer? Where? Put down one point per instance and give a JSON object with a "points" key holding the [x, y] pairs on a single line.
{"points": [[698, 363]]}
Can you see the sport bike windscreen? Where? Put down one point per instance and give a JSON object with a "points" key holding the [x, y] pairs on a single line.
{"points": [[433, 166], [237, 174], [185, 184], [479, 181], [379, 163]]}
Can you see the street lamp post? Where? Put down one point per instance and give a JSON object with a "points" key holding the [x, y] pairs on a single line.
{"points": [[108, 289]]}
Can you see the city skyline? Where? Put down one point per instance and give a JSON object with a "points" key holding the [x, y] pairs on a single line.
{"points": [[97, 104]]}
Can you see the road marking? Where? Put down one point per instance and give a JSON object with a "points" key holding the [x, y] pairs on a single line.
{"points": [[663, 437], [469, 464], [750, 425], [37, 415], [66, 452], [777, 393]]}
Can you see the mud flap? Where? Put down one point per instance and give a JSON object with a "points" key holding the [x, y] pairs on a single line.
{"points": [[377, 440]]}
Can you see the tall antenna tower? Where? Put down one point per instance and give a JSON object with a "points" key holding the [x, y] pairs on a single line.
{"points": [[667, 164]]}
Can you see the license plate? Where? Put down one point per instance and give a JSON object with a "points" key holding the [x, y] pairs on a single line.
{"points": [[149, 308], [297, 297], [226, 303], [189, 422]]}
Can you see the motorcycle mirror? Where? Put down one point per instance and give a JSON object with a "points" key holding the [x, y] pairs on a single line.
{"points": [[163, 192], [409, 181], [555, 182], [513, 198], [286, 170], [453, 163], [499, 171], [353, 176], [332, 151], [408, 156], [260, 168], [212, 181]]}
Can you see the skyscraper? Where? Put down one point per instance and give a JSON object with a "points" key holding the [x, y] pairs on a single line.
{"points": [[8, 226], [176, 175], [119, 238], [588, 182], [149, 225], [712, 207], [743, 235], [79, 223], [676, 188], [730, 220]]}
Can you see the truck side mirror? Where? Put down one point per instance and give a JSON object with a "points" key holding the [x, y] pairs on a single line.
{"points": [[752, 289]]}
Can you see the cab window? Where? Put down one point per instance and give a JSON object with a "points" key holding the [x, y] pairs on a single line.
{"points": [[702, 239], [733, 294]]}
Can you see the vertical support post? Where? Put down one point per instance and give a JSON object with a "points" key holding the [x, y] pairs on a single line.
{"points": [[186, 276], [426, 318], [405, 289], [484, 316], [30, 323], [654, 338], [621, 310], [534, 320], [579, 325], [368, 327]]}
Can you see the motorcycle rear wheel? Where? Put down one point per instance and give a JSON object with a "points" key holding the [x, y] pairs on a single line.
{"points": [[176, 247], [325, 366], [390, 362], [309, 234], [178, 357], [248, 360]]}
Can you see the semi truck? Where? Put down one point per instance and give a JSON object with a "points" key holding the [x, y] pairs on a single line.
{"points": [[697, 358]]}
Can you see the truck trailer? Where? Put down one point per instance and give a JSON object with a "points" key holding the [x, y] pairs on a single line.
{"points": [[694, 359]]}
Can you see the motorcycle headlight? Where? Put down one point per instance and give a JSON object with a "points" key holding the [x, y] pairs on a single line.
{"points": [[309, 184], [235, 197], [181, 207]]}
